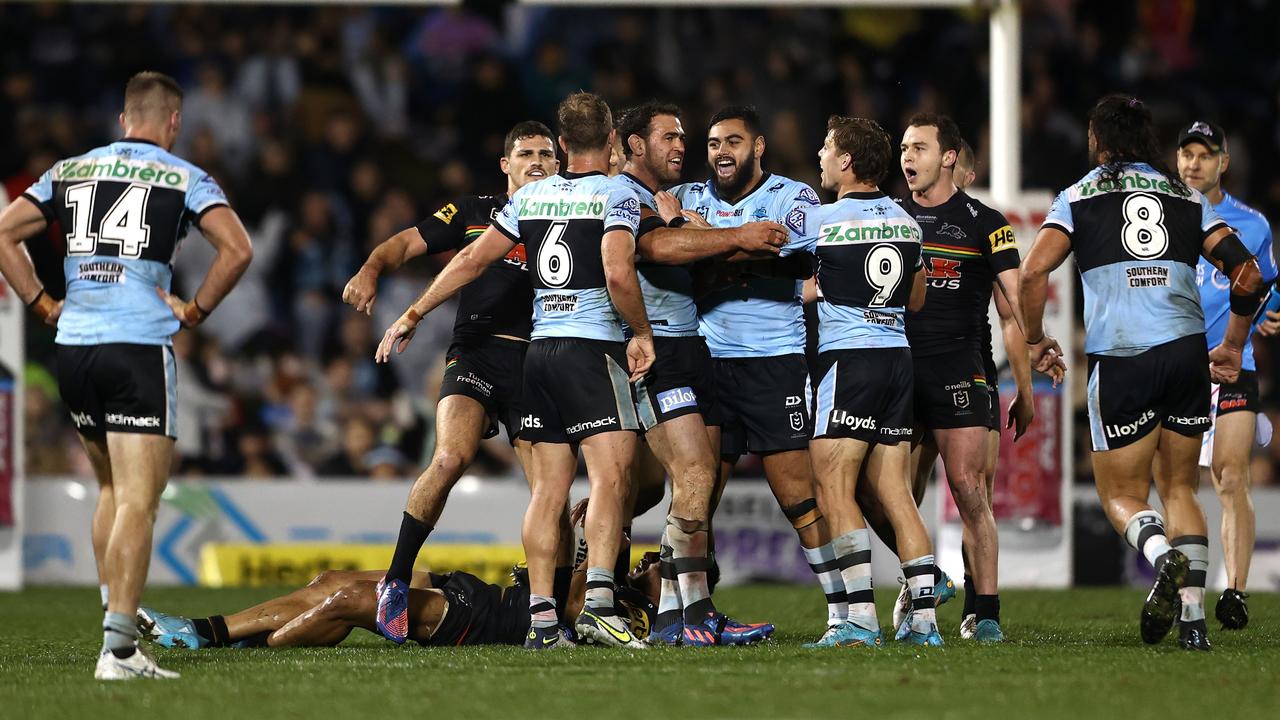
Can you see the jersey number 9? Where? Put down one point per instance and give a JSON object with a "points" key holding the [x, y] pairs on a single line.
{"points": [[884, 273]]}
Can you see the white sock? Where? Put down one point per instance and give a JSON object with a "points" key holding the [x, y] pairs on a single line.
{"points": [[921, 579], [822, 561]]}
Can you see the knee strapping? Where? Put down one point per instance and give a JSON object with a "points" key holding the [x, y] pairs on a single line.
{"points": [[803, 514]]}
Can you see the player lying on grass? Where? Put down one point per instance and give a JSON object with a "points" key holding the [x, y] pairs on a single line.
{"points": [[455, 608]]}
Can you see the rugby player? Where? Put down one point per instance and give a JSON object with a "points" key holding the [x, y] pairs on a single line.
{"points": [[676, 401], [754, 328], [450, 609], [125, 207], [968, 248], [869, 273], [579, 230], [484, 363], [1137, 231], [1226, 451]]}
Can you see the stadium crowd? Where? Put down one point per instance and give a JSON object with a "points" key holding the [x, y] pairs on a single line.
{"points": [[331, 129]]}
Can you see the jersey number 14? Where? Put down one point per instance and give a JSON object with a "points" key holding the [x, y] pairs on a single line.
{"points": [[124, 224]]}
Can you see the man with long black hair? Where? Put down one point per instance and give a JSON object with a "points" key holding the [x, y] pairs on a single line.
{"points": [[1137, 232]]}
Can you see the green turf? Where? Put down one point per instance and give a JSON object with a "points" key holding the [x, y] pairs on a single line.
{"points": [[1072, 654]]}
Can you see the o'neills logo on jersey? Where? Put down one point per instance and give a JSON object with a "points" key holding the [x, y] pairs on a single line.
{"points": [[853, 422], [592, 425], [566, 206], [859, 231], [133, 421], [1147, 276], [114, 168], [1126, 430]]}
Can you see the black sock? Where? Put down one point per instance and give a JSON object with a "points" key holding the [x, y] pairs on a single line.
{"points": [[214, 630], [413, 533], [987, 607], [969, 596], [560, 591]]}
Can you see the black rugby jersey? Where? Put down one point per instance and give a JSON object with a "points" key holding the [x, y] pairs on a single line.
{"points": [[500, 301], [966, 244]]}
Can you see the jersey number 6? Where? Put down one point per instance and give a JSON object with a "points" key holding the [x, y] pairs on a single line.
{"points": [[555, 261]]}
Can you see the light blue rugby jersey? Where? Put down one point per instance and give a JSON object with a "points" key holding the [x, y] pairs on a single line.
{"points": [[868, 250], [1215, 289], [561, 221], [765, 318], [124, 209], [667, 289], [1137, 243]]}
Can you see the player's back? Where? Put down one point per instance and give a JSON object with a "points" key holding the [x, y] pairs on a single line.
{"points": [[123, 209], [562, 221], [868, 251], [1137, 239], [762, 316]]}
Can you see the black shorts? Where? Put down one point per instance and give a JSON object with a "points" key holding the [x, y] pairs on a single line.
{"points": [[679, 383], [1167, 385], [993, 385], [864, 394], [489, 370], [764, 403], [1239, 396], [479, 613], [574, 389], [119, 387], [951, 391]]}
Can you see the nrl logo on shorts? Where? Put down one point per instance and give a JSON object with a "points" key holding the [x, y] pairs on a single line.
{"points": [[960, 398], [797, 421]]}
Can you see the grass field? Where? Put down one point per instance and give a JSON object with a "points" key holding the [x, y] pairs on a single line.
{"points": [[1072, 654]]}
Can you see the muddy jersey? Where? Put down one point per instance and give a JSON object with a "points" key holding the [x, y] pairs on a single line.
{"points": [[123, 208], [498, 302], [966, 244]]}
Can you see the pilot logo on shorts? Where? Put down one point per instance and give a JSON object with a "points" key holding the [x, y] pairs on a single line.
{"points": [[676, 398]]}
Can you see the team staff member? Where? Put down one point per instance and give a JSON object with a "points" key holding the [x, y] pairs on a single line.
{"points": [[485, 360], [1138, 232], [1202, 160], [124, 208]]}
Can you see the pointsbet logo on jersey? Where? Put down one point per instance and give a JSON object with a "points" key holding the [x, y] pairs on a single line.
{"points": [[114, 168], [568, 206], [860, 231]]}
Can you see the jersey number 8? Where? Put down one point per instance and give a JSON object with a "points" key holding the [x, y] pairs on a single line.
{"points": [[884, 273], [1144, 236], [555, 261]]}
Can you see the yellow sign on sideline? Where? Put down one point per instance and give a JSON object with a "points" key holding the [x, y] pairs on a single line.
{"points": [[250, 565]]}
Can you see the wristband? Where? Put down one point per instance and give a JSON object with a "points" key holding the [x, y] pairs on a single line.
{"points": [[193, 314], [1036, 342], [36, 299], [413, 315], [42, 305], [678, 221]]}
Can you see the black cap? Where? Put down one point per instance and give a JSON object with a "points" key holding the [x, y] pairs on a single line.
{"points": [[1206, 133]]}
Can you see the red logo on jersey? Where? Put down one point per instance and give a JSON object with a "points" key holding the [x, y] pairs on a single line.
{"points": [[517, 256], [941, 268]]}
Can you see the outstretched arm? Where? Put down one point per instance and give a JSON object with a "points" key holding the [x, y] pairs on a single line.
{"points": [[395, 251], [461, 271]]}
